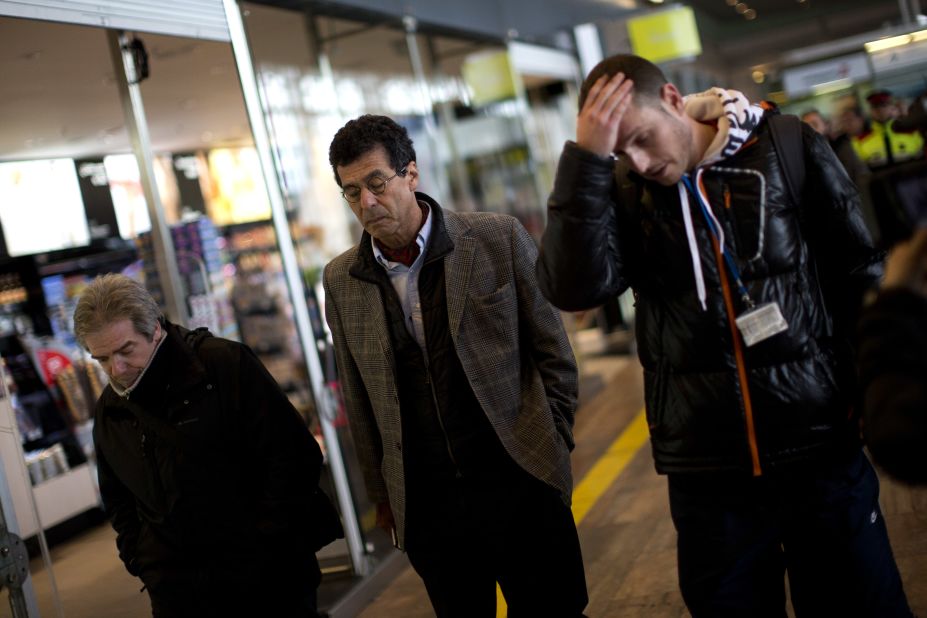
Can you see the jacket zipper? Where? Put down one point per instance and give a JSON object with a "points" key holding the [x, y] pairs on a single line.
{"points": [[731, 218], [153, 467], [447, 440], [738, 358]]}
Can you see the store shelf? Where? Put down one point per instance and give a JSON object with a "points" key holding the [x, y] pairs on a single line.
{"points": [[62, 497]]}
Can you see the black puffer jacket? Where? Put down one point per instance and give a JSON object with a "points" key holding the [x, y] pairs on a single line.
{"points": [[713, 404], [213, 494]]}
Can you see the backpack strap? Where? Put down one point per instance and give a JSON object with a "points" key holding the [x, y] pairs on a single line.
{"points": [[785, 130]]}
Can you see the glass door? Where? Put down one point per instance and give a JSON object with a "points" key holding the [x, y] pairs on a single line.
{"points": [[59, 226]]}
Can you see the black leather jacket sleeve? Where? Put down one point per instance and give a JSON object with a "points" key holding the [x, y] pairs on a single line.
{"points": [[580, 264], [849, 263]]}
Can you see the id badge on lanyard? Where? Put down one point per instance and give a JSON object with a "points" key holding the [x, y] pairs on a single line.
{"points": [[759, 322]]}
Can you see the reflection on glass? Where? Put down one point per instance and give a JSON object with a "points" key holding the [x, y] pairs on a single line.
{"points": [[41, 209], [125, 185], [238, 193]]}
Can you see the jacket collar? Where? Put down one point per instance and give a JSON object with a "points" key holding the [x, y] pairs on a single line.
{"points": [[451, 240], [365, 266], [175, 368]]}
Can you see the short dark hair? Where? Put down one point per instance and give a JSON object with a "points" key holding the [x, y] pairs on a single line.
{"points": [[647, 77], [363, 134]]}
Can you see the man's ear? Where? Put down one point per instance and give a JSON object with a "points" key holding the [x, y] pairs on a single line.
{"points": [[412, 175], [671, 96]]}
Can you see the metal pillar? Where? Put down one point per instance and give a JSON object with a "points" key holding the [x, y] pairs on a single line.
{"points": [[418, 70], [324, 404], [127, 81], [458, 167], [530, 131]]}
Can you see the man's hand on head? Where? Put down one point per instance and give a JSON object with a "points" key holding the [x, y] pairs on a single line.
{"points": [[598, 121]]}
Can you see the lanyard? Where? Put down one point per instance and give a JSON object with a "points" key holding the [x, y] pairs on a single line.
{"points": [[735, 272]]}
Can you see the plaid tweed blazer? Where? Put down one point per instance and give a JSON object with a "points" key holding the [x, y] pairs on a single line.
{"points": [[509, 339]]}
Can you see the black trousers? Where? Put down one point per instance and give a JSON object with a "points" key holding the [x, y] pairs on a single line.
{"points": [[820, 522], [250, 594], [464, 535], [245, 607]]}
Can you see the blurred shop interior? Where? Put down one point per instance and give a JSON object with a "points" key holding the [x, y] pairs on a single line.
{"points": [[231, 230]]}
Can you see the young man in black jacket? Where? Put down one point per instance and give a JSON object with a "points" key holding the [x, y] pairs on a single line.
{"points": [[206, 470], [745, 300]]}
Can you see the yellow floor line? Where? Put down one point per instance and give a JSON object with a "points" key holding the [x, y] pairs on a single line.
{"points": [[599, 478]]}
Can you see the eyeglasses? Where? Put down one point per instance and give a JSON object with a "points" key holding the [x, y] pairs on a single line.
{"points": [[376, 185]]}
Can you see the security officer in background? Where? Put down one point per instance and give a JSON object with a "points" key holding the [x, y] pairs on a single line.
{"points": [[884, 144]]}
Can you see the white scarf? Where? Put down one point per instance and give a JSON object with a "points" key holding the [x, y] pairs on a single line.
{"points": [[736, 119], [125, 392]]}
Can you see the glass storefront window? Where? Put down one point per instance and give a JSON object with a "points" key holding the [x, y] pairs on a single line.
{"points": [[64, 114]]}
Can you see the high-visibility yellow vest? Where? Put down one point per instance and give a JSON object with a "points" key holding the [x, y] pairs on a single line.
{"points": [[871, 147]]}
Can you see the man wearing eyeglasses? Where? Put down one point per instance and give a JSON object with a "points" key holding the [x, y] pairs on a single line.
{"points": [[459, 384]]}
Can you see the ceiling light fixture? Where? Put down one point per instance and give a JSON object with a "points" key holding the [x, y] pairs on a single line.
{"points": [[895, 41], [758, 76], [741, 8], [750, 14], [833, 86]]}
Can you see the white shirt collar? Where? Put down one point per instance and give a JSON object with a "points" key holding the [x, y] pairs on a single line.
{"points": [[421, 239]]}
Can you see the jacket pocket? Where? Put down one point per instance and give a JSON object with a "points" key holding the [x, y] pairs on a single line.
{"points": [[655, 385], [496, 313]]}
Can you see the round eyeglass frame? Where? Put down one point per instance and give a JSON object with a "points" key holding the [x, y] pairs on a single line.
{"points": [[376, 189]]}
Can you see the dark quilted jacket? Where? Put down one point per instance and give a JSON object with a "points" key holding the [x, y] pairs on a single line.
{"points": [[608, 230], [214, 494]]}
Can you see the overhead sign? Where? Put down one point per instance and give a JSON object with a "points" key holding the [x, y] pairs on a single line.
{"points": [[799, 81], [899, 57], [665, 35], [490, 76], [535, 60]]}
